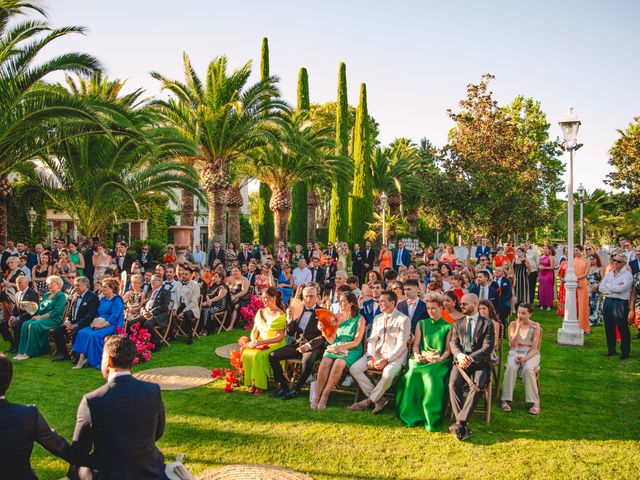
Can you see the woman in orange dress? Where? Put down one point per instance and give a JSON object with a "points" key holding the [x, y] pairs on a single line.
{"points": [[562, 293], [449, 257], [499, 257], [385, 259], [451, 308], [510, 251], [582, 292]]}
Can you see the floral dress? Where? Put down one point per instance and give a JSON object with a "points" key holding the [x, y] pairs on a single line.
{"points": [[596, 299]]}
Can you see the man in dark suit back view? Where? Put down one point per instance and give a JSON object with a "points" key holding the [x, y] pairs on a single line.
{"points": [[111, 439], [20, 427]]}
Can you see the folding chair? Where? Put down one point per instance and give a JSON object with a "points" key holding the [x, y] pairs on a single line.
{"points": [[163, 332], [221, 318], [496, 368]]}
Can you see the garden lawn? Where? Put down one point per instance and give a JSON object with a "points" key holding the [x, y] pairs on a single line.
{"points": [[589, 427]]}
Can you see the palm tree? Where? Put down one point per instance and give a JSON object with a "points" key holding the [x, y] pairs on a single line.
{"points": [[300, 153], [27, 104], [225, 119]]}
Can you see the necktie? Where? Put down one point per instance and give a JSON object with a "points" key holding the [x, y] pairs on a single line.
{"points": [[399, 259], [482, 295], [469, 340]]}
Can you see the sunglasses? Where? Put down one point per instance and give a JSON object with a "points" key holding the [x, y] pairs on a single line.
{"points": [[619, 261]]}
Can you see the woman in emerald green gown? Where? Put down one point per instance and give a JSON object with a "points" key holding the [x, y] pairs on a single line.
{"points": [[344, 349], [34, 336], [421, 392], [267, 335]]}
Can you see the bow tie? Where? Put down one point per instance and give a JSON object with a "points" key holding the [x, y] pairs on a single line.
{"points": [[310, 310], [185, 282], [411, 302]]}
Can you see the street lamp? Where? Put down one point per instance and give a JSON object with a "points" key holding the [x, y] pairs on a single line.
{"points": [[32, 216], [570, 333], [383, 203], [582, 196]]}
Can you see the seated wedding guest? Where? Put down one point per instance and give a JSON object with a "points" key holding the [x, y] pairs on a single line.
{"points": [[457, 282], [306, 344], [386, 351], [472, 341], [524, 338], [397, 287], [266, 337], [196, 277], [354, 284], [335, 307], [422, 391], [160, 270], [134, 299], [332, 296], [436, 284], [215, 301], [156, 311], [23, 266], [90, 341], [171, 282], [111, 439], [483, 288], [11, 327], [286, 282], [84, 309], [21, 427], [187, 306], [239, 293], [371, 307], [9, 283], [413, 307], [487, 310], [345, 348], [34, 336], [63, 265], [252, 272], [263, 280]]}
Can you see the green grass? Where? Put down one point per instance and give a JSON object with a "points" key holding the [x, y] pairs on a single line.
{"points": [[588, 427]]}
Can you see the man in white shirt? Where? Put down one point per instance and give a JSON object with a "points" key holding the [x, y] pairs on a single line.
{"points": [[616, 287], [533, 257], [386, 351], [171, 284], [187, 305], [199, 256], [301, 274]]}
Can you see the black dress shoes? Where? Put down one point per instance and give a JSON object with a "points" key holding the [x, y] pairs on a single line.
{"points": [[281, 392], [291, 394], [61, 358], [189, 340], [609, 354]]}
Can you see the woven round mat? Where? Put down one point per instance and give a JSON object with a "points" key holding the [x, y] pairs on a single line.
{"points": [[225, 350], [252, 472], [176, 378]]}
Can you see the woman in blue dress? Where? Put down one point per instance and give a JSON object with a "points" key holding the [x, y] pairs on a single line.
{"points": [[90, 340], [285, 283]]}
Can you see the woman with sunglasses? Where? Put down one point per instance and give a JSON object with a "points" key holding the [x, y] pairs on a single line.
{"points": [[169, 257]]}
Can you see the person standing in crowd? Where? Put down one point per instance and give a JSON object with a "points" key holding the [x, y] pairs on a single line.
{"points": [[616, 287], [386, 350], [499, 258], [306, 344], [401, 256], [524, 338], [385, 259], [503, 285], [357, 261], [76, 258], [146, 259], [533, 259], [101, 262], [343, 254], [472, 342], [331, 252], [521, 269], [41, 272], [244, 255], [634, 301], [21, 427], [99, 444], [562, 272], [546, 278], [483, 250], [123, 259], [216, 253], [422, 391], [581, 270], [169, 257], [595, 274], [11, 327], [368, 260], [32, 258]]}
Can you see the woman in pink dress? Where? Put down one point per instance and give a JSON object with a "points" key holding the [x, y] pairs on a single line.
{"points": [[545, 278]]}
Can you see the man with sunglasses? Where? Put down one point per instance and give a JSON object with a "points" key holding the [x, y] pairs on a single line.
{"points": [[146, 259], [616, 287]]}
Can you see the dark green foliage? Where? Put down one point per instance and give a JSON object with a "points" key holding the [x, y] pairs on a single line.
{"points": [[265, 215], [246, 232], [362, 196], [298, 220], [22, 200], [159, 218], [158, 248], [339, 217], [322, 235]]}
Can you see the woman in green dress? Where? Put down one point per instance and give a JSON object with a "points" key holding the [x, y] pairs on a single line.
{"points": [[34, 335], [344, 349], [76, 258], [421, 392], [267, 335]]}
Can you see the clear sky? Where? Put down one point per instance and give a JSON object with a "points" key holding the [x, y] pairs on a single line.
{"points": [[416, 57]]}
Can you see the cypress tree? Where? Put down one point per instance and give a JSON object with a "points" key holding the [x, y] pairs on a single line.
{"points": [[298, 220], [361, 196], [265, 215], [339, 217]]}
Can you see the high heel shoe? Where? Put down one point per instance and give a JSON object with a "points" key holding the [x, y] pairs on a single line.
{"points": [[80, 364]]}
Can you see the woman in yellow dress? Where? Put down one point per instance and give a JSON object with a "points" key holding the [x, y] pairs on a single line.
{"points": [[267, 335]]}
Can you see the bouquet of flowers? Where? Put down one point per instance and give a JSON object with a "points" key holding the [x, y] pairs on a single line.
{"points": [[327, 259], [249, 311], [142, 338]]}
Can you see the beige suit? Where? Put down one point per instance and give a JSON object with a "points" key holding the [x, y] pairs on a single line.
{"points": [[189, 294]]}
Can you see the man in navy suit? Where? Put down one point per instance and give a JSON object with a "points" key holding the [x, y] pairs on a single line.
{"points": [[413, 307], [483, 249], [401, 256], [21, 427], [216, 253], [156, 310], [111, 439], [483, 289], [245, 255], [357, 261], [371, 307], [83, 311], [146, 259], [23, 249], [18, 314], [505, 291]]}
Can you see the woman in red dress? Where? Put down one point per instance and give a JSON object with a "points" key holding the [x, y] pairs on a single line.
{"points": [[562, 271]]}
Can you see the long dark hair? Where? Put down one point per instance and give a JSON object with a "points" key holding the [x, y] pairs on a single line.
{"points": [[456, 302], [353, 302], [274, 292], [492, 310]]}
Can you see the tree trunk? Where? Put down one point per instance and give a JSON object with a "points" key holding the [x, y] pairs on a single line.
{"points": [[216, 200], [234, 225], [187, 210], [311, 223], [281, 224]]}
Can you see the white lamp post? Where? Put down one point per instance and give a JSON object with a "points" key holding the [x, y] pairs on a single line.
{"points": [[383, 203], [570, 333], [32, 216], [582, 196]]}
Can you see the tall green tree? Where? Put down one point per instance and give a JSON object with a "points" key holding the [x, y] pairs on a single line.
{"points": [[298, 221], [226, 119], [265, 215], [29, 107], [339, 218], [625, 160], [362, 195]]}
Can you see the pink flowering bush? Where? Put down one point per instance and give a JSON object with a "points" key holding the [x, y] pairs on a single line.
{"points": [[249, 311], [142, 338]]}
